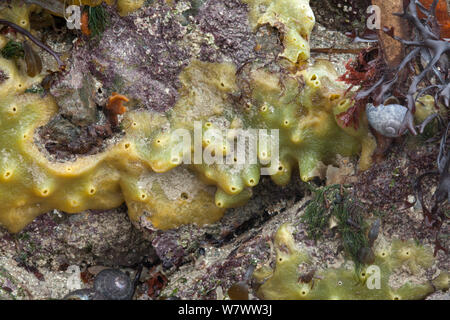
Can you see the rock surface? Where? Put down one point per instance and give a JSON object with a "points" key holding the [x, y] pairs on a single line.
{"points": [[202, 263]]}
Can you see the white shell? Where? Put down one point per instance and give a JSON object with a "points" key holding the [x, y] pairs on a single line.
{"points": [[386, 119]]}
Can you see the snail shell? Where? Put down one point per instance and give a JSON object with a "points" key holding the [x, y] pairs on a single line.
{"points": [[84, 294], [386, 119], [238, 291], [114, 285]]}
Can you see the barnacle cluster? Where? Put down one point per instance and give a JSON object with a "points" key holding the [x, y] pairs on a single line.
{"points": [[345, 15], [145, 167], [282, 282]]}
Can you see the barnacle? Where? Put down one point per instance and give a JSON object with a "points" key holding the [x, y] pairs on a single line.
{"points": [[147, 166], [345, 15], [341, 283]]}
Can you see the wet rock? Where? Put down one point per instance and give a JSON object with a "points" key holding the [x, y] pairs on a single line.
{"points": [[93, 238], [228, 22]]}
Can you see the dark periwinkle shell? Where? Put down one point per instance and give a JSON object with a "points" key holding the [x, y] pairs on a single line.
{"points": [[114, 285], [84, 294], [238, 291], [32, 59]]}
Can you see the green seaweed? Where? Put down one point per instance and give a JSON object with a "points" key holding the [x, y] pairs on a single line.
{"points": [[98, 20], [13, 49], [333, 201]]}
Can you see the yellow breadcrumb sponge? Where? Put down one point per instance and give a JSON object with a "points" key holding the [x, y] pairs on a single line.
{"points": [[132, 170], [127, 6], [18, 13], [283, 282], [147, 168], [294, 19]]}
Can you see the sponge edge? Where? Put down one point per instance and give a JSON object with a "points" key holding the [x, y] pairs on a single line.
{"points": [[128, 6], [167, 201], [332, 284]]}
